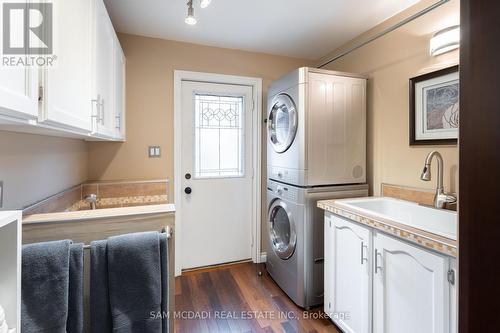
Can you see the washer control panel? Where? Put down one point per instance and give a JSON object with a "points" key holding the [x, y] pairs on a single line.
{"points": [[283, 191]]}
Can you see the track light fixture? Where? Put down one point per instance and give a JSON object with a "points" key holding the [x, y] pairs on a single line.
{"points": [[190, 18], [205, 3]]}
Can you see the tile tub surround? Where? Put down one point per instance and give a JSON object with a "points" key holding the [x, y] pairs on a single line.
{"points": [[138, 200], [423, 238], [110, 195], [56, 203]]}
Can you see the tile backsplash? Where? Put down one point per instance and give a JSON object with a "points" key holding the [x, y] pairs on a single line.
{"points": [[421, 196]]}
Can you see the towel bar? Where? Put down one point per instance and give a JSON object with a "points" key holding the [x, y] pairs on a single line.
{"points": [[166, 230]]}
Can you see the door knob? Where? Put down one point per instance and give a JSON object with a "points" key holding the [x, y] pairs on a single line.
{"points": [[188, 190]]}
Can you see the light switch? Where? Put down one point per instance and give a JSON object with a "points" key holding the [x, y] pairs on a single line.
{"points": [[154, 151]]}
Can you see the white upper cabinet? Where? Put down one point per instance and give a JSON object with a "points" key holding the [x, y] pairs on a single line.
{"points": [[82, 94], [348, 271], [66, 97], [104, 124], [18, 94], [411, 288], [119, 87]]}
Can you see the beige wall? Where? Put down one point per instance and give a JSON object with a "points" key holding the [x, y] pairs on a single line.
{"points": [[34, 167], [150, 69], [150, 66], [390, 62]]}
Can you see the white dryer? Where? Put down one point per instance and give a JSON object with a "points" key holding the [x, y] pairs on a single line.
{"points": [[317, 128]]}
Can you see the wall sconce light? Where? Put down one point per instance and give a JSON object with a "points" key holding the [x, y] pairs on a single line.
{"points": [[445, 40]]}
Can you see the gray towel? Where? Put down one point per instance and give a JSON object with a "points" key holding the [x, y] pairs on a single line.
{"points": [[135, 287], [45, 285], [75, 299], [100, 309], [165, 301]]}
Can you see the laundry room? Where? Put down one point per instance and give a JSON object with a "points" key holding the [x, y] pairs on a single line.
{"points": [[264, 166]]}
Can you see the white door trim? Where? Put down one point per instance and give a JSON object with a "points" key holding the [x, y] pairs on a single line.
{"points": [[256, 84]]}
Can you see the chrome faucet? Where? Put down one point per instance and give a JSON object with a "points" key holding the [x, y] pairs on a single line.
{"points": [[441, 198], [91, 199]]}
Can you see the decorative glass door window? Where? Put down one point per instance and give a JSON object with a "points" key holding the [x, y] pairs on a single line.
{"points": [[219, 136]]}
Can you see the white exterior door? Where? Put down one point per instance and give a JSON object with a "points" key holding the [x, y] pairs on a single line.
{"points": [[217, 174], [351, 276], [411, 290]]}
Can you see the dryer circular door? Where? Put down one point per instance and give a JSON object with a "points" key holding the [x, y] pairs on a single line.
{"points": [[282, 229], [282, 123]]}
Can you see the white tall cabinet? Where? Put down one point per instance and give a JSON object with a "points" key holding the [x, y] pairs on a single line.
{"points": [[66, 86], [378, 283]]}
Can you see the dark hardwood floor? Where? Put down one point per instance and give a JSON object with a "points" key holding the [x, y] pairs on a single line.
{"points": [[236, 299]]}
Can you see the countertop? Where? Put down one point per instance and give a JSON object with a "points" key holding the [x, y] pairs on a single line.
{"points": [[417, 236], [83, 215]]}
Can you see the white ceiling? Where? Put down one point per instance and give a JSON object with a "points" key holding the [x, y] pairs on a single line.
{"points": [[298, 28]]}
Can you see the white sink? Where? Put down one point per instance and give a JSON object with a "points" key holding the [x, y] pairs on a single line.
{"points": [[436, 221]]}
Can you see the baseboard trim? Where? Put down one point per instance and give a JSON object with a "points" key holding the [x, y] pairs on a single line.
{"points": [[263, 257]]}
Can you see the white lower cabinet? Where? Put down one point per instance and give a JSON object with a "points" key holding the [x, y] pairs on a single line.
{"points": [[410, 288], [378, 283], [350, 278]]}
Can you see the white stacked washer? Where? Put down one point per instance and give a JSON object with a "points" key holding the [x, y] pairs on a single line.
{"points": [[316, 150]]}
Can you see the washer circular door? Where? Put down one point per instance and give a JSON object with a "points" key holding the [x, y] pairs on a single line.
{"points": [[282, 123], [282, 229]]}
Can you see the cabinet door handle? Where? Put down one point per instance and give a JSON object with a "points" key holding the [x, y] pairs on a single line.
{"points": [[363, 247], [377, 267], [96, 117], [101, 113], [119, 122]]}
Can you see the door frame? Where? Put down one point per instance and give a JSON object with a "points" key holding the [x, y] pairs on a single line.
{"points": [[479, 162], [256, 84]]}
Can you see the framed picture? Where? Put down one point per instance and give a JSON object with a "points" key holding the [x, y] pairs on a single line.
{"points": [[434, 108]]}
